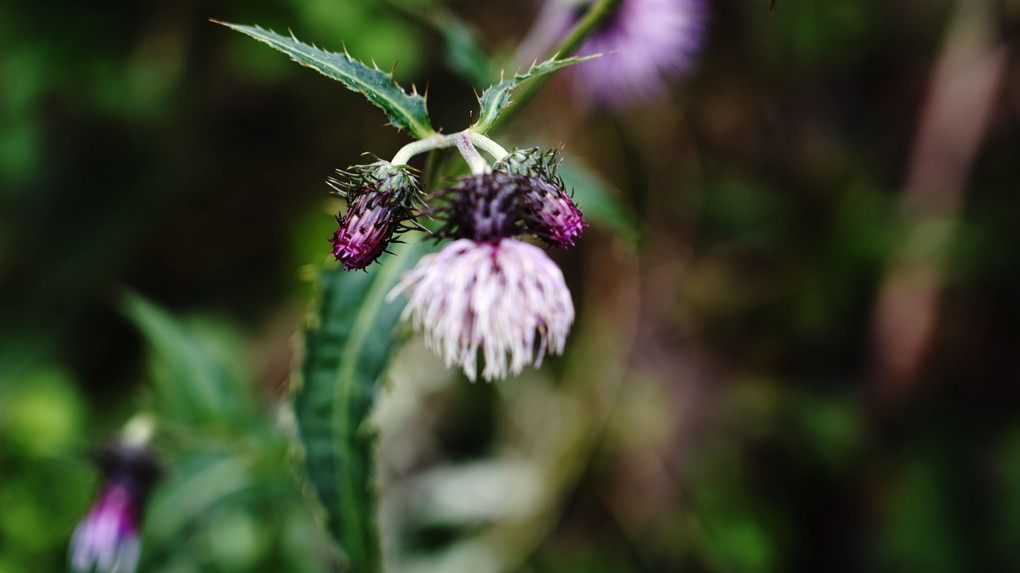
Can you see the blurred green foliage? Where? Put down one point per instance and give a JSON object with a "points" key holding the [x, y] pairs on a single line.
{"points": [[718, 414]]}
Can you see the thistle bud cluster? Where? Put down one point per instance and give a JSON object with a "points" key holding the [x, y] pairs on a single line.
{"points": [[485, 292]]}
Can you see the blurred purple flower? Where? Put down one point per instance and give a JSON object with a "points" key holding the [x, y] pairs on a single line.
{"points": [[107, 538], [645, 43], [500, 297]]}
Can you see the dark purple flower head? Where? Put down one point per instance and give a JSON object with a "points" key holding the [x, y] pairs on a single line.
{"points": [[646, 42], [107, 538], [485, 208], [554, 217], [380, 202]]}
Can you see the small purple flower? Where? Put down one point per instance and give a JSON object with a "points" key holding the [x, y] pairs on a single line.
{"points": [[501, 297], [380, 198], [554, 217], [645, 43], [107, 538]]}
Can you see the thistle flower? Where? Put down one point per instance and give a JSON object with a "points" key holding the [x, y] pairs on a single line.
{"points": [[645, 42], [502, 297], [652, 41], [107, 538], [554, 217], [380, 199], [486, 291]]}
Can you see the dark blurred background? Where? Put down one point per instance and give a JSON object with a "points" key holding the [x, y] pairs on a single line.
{"points": [[802, 356]]}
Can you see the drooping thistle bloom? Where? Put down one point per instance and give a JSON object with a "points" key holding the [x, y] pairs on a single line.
{"points": [[486, 291], [380, 198], [107, 538], [645, 44], [555, 219]]}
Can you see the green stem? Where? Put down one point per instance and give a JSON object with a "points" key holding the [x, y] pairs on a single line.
{"points": [[599, 12], [465, 141], [415, 147], [487, 145], [467, 150]]}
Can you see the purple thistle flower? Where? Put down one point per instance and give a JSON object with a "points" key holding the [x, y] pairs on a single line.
{"points": [[380, 199], [554, 217], [501, 297], [645, 43], [107, 538]]}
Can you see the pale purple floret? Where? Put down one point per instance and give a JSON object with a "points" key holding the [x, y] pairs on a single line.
{"points": [[646, 42], [506, 299]]}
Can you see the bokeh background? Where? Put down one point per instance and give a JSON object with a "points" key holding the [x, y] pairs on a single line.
{"points": [[797, 342]]}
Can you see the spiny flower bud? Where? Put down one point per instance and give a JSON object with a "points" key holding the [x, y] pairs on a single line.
{"points": [[484, 208], [553, 216], [380, 202], [107, 538]]}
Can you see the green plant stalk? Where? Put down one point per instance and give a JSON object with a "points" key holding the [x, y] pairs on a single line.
{"points": [[586, 26], [348, 343]]}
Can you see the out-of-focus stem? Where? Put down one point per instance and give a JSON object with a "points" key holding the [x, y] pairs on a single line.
{"points": [[960, 100]]}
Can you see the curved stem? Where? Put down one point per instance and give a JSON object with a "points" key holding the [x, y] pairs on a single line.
{"points": [[487, 145], [421, 146], [465, 141], [467, 150]]}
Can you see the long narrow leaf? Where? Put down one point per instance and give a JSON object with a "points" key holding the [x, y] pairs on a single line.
{"points": [[193, 367], [347, 348], [404, 110]]}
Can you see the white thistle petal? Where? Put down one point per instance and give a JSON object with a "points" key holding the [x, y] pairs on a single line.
{"points": [[501, 298]]}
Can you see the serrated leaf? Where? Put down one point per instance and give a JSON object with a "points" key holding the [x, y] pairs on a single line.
{"points": [[347, 348], [404, 110], [496, 98]]}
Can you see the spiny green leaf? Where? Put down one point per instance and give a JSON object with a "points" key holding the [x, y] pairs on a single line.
{"points": [[347, 348], [497, 97], [404, 110]]}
